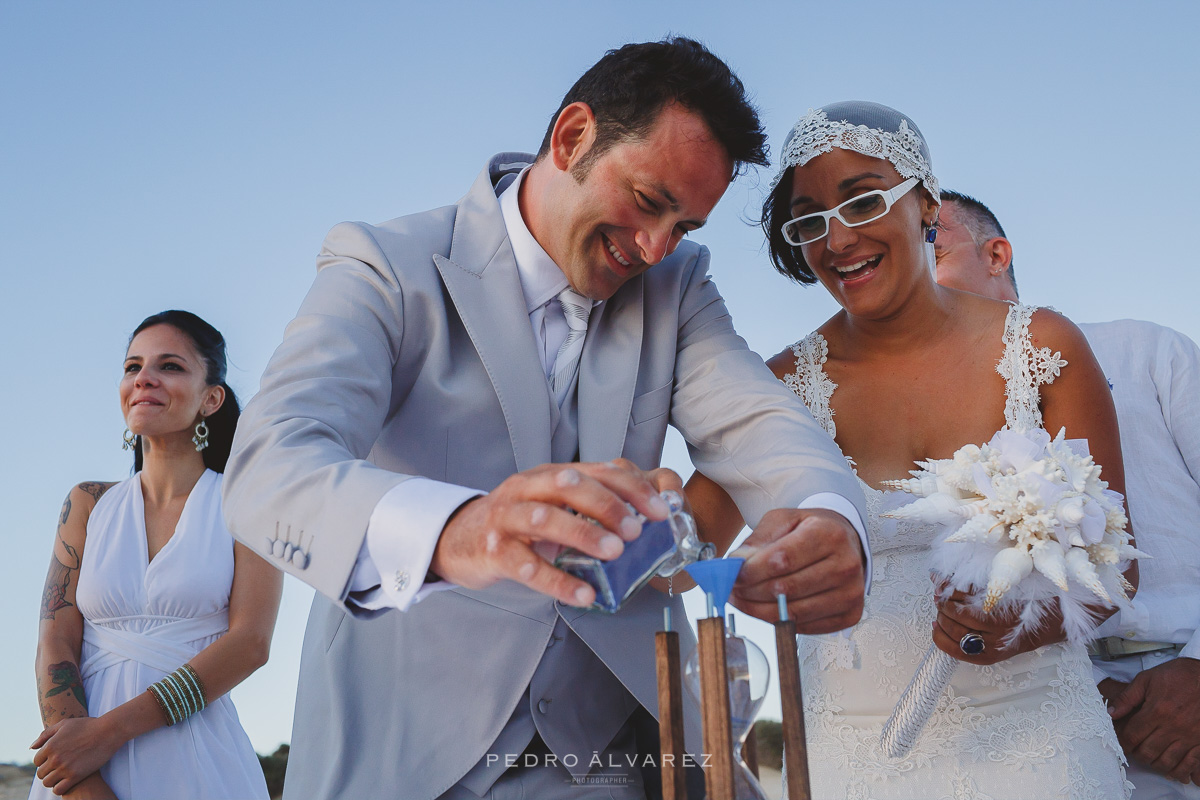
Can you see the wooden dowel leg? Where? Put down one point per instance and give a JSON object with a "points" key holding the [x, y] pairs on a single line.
{"points": [[795, 745], [670, 715], [714, 692]]}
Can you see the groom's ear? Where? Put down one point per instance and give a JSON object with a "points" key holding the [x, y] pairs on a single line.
{"points": [[573, 135]]}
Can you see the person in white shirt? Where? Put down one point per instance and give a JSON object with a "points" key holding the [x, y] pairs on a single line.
{"points": [[1146, 659]]}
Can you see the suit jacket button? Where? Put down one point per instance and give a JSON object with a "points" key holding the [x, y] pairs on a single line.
{"points": [[543, 706], [401, 582]]}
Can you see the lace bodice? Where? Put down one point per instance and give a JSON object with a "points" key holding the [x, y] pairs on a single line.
{"points": [[1025, 370], [1029, 727]]}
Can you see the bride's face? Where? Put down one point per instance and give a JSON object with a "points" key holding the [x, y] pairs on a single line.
{"points": [[868, 268]]}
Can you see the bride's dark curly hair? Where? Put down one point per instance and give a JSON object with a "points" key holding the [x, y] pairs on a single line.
{"points": [[776, 210]]}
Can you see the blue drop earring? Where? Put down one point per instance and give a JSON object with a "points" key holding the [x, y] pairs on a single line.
{"points": [[931, 235]]}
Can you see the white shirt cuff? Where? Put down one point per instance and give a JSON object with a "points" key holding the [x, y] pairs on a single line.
{"points": [[1191, 649], [401, 536], [840, 505]]}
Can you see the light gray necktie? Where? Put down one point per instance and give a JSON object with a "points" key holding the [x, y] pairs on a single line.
{"points": [[577, 308]]}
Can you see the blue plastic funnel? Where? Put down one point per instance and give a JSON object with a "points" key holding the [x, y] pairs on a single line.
{"points": [[716, 577]]}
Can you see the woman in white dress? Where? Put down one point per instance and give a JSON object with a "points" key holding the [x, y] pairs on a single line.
{"points": [[910, 370], [152, 613]]}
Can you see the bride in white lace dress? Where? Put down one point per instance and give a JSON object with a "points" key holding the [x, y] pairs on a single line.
{"points": [[909, 370]]}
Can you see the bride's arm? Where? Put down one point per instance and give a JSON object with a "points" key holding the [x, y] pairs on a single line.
{"points": [[75, 748], [1079, 400]]}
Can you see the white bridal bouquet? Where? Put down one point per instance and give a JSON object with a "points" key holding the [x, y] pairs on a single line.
{"points": [[1029, 519]]}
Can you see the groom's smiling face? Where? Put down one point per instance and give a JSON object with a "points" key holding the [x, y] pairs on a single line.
{"points": [[606, 221]]}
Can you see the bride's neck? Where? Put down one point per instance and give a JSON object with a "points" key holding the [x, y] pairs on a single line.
{"points": [[923, 318]]}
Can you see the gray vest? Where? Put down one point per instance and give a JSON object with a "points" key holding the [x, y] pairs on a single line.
{"points": [[573, 702]]}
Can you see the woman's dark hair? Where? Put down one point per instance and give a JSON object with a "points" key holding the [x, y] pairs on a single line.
{"points": [[629, 86], [210, 344], [777, 209]]}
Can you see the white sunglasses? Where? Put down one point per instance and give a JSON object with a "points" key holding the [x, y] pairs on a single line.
{"points": [[856, 211]]}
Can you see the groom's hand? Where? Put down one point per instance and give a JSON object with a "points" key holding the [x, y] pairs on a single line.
{"points": [[492, 537], [815, 558], [1155, 717]]}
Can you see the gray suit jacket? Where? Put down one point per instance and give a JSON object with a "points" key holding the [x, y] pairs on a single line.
{"points": [[413, 355]]}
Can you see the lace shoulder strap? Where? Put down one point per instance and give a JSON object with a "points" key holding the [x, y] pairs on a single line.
{"points": [[810, 382], [1025, 370]]}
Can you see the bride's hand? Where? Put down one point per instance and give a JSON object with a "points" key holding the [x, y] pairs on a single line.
{"points": [[956, 619], [71, 750]]}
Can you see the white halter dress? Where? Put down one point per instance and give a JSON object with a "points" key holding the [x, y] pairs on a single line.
{"points": [[1033, 726], [144, 619]]}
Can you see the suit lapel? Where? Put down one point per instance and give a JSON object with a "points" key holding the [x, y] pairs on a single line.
{"points": [[481, 277], [608, 374]]}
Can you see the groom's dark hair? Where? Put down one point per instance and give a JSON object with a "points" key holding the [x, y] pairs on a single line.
{"points": [[629, 86]]}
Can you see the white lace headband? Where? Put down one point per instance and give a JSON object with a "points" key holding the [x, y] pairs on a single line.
{"points": [[868, 128]]}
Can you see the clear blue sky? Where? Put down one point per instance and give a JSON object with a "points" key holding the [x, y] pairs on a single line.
{"points": [[193, 155]]}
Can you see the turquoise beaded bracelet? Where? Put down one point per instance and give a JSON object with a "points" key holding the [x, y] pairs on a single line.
{"points": [[179, 694]]}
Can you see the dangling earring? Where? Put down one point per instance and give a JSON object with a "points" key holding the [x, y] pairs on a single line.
{"points": [[129, 440], [201, 437], [931, 235]]}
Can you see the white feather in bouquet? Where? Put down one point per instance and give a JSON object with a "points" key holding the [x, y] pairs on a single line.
{"points": [[1029, 522]]}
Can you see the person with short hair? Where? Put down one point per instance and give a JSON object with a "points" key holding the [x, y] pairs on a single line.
{"points": [[1146, 659], [458, 382], [971, 249], [152, 613]]}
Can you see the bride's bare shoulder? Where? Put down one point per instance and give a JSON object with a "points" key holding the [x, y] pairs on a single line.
{"points": [[783, 363], [1048, 328]]}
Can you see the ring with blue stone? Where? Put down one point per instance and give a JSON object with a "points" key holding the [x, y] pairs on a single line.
{"points": [[972, 644]]}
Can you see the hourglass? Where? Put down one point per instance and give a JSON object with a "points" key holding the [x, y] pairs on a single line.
{"points": [[746, 674]]}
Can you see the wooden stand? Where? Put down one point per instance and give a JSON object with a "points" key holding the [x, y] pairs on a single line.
{"points": [[670, 715], [795, 746], [714, 705]]}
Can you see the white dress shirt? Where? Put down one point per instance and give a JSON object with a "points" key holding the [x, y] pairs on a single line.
{"points": [[404, 527], [1155, 377]]}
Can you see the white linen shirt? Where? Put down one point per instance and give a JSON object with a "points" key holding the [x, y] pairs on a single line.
{"points": [[1155, 377], [404, 527]]}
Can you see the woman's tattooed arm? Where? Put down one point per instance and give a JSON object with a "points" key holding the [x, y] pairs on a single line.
{"points": [[60, 687], [63, 679], [63, 569], [94, 488]]}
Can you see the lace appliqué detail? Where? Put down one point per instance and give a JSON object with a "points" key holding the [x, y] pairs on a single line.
{"points": [[815, 134], [810, 382], [964, 787], [1024, 369]]}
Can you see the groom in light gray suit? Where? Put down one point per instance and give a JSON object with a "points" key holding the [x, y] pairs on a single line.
{"points": [[457, 383]]}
